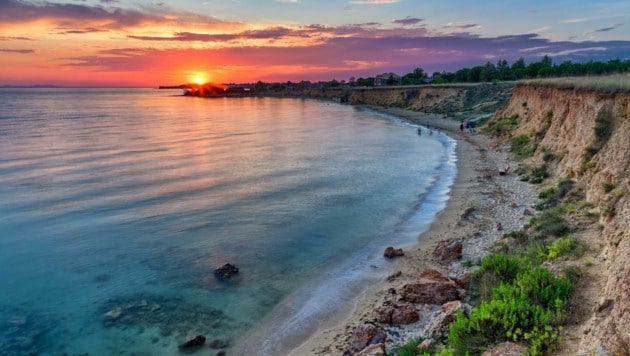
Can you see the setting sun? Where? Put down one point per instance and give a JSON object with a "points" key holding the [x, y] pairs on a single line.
{"points": [[198, 79]]}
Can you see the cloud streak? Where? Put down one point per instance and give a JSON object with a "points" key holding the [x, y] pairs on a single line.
{"points": [[408, 21], [20, 51]]}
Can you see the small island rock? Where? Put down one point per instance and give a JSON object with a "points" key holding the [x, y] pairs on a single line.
{"points": [[226, 271]]}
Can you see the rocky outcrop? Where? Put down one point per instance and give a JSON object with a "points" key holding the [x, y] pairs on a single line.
{"points": [[448, 251], [363, 336], [432, 288], [397, 313], [585, 135]]}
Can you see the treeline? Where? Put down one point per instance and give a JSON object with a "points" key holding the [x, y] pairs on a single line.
{"points": [[490, 72], [519, 70], [503, 71]]}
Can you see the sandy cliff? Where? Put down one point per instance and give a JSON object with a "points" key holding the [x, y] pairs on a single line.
{"points": [[585, 135], [453, 100]]}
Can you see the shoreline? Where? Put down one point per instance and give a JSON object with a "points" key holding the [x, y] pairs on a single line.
{"points": [[478, 188]]}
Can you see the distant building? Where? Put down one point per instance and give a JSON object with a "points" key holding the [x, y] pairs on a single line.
{"points": [[387, 79]]}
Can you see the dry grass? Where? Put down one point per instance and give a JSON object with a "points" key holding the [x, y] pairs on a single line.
{"points": [[616, 83]]}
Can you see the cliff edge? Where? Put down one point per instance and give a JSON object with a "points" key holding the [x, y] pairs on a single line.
{"points": [[584, 135]]}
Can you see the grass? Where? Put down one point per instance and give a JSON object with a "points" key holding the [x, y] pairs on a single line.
{"points": [[617, 83]]}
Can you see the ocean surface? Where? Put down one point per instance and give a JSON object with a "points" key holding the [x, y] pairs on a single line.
{"points": [[116, 206]]}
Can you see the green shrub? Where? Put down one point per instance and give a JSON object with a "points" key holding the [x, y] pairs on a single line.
{"points": [[506, 268], [551, 222], [587, 165], [603, 127], [563, 248], [549, 114], [527, 309], [502, 126], [538, 174], [608, 187], [548, 194], [522, 147], [410, 348]]}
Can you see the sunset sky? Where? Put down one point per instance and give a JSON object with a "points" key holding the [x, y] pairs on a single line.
{"points": [[148, 43]]}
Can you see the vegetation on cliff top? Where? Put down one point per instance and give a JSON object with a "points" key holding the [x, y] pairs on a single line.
{"points": [[618, 83]]}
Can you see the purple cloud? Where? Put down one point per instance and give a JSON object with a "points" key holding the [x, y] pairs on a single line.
{"points": [[606, 29], [462, 26], [408, 21], [269, 33], [340, 57], [21, 51], [69, 15]]}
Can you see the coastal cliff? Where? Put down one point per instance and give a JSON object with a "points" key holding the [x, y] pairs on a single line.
{"points": [[452, 100], [458, 101], [584, 135]]}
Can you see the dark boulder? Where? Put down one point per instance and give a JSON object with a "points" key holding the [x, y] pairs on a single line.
{"points": [[193, 344], [391, 252], [226, 271]]}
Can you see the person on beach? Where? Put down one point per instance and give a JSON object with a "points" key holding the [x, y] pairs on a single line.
{"points": [[461, 126]]}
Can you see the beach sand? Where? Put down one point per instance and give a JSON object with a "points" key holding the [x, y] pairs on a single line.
{"points": [[479, 199]]}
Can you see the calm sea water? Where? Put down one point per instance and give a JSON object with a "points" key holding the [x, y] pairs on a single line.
{"points": [[117, 205]]}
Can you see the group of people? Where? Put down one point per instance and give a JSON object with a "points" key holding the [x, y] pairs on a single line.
{"points": [[467, 126]]}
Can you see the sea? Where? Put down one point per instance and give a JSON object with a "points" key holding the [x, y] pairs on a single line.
{"points": [[117, 206]]}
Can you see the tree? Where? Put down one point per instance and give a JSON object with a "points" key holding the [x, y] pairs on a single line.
{"points": [[391, 80], [519, 70], [260, 86], [365, 82]]}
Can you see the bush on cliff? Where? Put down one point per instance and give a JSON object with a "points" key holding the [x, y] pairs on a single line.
{"points": [[528, 308], [522, 146], [502, 126]]}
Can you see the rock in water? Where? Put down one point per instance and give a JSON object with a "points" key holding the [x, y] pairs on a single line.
{"points": [[192, 344], [391, 252], [226, 271]]}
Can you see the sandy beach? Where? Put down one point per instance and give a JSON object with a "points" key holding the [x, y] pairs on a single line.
{"points": [[480, 199]]}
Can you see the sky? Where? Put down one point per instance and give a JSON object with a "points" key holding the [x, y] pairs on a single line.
{"points": [[164, 42]]}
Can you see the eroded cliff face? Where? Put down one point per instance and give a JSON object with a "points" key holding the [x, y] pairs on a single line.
{"points": [[452, 100], [585, 135]]}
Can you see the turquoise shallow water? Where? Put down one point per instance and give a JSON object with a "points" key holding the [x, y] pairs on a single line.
{"points": [[123, 201]]}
